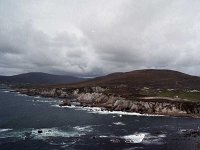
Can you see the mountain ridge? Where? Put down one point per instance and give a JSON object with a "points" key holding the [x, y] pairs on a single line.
{"points": [[39, 78], [156, 78]]}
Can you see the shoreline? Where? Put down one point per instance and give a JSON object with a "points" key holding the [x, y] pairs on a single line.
{"points": [[98, 110], [96, 99], [105, 111]]}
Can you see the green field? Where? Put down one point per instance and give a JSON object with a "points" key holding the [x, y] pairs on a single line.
{"points": [[193, 96]]}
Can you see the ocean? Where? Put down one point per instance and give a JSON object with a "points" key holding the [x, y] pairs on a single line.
{"points": [[21, 117]]}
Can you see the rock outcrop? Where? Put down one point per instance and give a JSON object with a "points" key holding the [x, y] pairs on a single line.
{"points": [[97, 97]]}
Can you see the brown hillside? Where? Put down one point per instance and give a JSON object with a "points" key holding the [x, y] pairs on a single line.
{"points": [[131, 84], [152, 78]]}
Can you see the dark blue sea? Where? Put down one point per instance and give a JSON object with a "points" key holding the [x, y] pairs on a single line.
{"points": [[74, 128]]}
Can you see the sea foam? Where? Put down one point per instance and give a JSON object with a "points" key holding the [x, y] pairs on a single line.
{"points": [[105, 112], [135, 138], [119, 123], [53, 132], [83, 128], [4, 130], [145, 138]]}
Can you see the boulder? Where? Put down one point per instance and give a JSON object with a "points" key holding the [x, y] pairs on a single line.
{"points": [[39, 131], [65, 103]]}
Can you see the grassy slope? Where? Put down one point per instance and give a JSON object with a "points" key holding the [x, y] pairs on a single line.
{"points": [[193, 96]]}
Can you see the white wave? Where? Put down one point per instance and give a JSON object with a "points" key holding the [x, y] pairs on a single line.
{"points": [[72, 106], [56, 105], [89, 109], [4, 130], [53, 132], [104, 112], [6, 91], [144, 138], [162, 136], [84, 128], [152, 139], [37, 97], [62, 144], [100, 111], [135, 138], [103, 136], [23, 95], [43, 101], [11, 134], [183, 131], [33, 133], [114, 140], [120, 113], [119, 123]]}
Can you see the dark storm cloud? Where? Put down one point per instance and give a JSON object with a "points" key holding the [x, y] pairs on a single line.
{"points": [[93, 37]]}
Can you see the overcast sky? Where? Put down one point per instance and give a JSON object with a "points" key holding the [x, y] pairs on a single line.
{"points": [[95, 37]]}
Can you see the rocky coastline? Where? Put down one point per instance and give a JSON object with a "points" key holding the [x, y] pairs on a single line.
{"points": [[97, 97]]}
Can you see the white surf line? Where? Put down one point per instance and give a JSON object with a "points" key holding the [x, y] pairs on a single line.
{"points": [[141, 137], [4, 130], [134, 138], [119, 123], [6, 91], [120, 113], [98, 110]]}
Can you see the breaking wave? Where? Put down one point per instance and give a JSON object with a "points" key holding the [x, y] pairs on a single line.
{"points": [[53, 132], [6, 91], [104, 112], [119, 123], [84, 128], [4, 130], [135, 138], [45, 133]]}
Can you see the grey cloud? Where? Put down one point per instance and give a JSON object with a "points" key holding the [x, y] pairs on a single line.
{"points": [[99, 37], [34, 50]]}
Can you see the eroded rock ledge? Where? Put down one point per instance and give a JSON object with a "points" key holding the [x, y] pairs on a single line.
{"points": [[97, 97]]}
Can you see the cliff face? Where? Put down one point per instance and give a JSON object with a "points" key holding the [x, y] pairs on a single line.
{"points": [[97, 97]]}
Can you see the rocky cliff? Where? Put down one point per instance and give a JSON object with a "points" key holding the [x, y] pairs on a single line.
{"points": [[98, 97]]}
